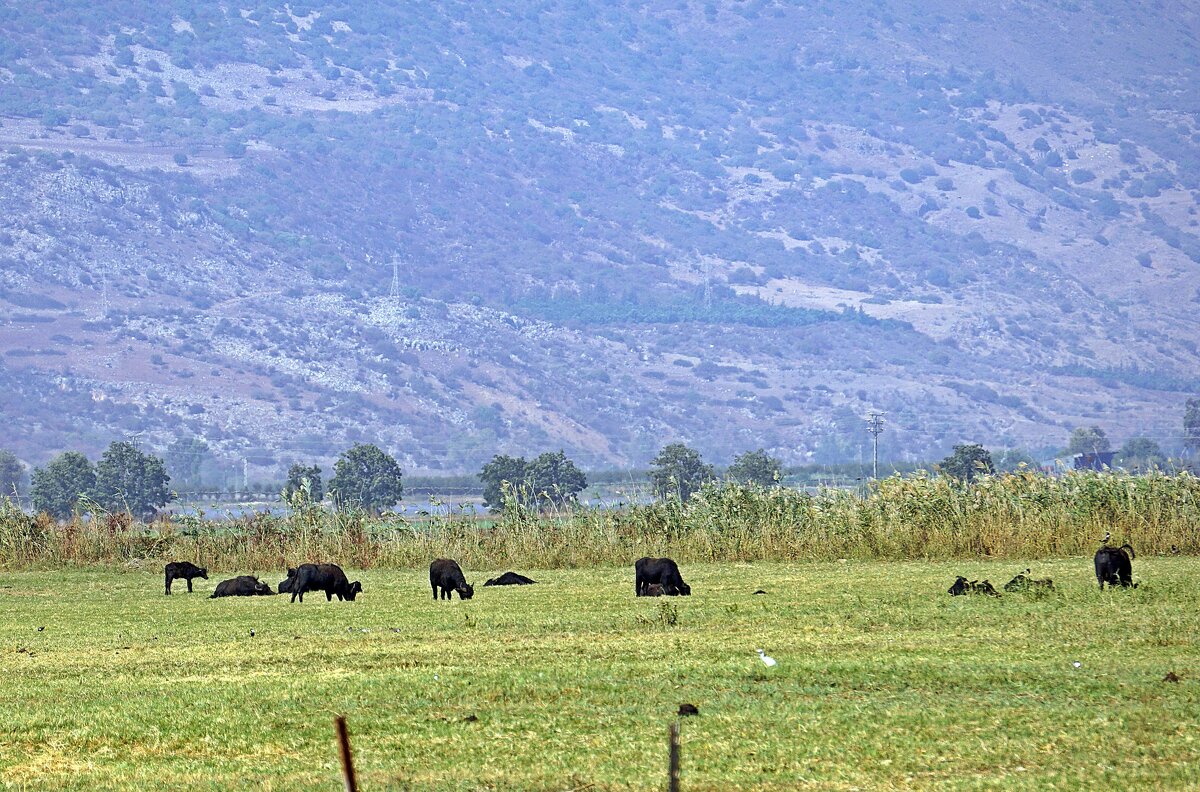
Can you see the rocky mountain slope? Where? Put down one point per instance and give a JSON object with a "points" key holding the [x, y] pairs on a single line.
{"points": [[457, 229]]}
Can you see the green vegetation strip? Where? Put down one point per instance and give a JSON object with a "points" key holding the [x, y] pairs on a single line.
{"points": [[883, 681]]}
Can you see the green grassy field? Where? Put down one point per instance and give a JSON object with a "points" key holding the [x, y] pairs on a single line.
{"points": [[883, 682]]}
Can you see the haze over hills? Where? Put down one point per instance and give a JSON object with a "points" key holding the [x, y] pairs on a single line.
{"points": [[735, 224]]}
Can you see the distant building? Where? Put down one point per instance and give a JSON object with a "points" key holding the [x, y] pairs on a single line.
{"points": [[1098, 460]]}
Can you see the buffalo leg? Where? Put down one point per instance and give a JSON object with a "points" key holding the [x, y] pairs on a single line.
{"points": [[168, 584]]}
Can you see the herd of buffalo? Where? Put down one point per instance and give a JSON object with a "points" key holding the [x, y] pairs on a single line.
{"points": [[653, 577], [1114, 566]]}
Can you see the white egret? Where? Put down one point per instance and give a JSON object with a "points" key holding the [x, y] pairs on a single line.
{"points": [[767, 660]]}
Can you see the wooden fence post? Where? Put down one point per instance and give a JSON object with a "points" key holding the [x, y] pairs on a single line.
{"points": [[344, 749], [673, 784]]}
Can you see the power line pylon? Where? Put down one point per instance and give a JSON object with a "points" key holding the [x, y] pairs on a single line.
{"points": [[875, 427]]}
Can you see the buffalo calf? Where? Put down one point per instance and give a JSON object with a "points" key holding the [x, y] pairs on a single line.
{"points": [[447, 576], [322, 577], [1114, 566], [963, 586], [184, 570], [1023, 583], [662, 571], [241, 586]]}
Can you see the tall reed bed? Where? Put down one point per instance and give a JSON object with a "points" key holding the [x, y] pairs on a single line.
{"points": [[1018, 516]]}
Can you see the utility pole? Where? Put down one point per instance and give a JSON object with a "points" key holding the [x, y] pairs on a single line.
{"points": [[875, 427]]}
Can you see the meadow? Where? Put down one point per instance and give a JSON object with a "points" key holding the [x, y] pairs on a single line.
{"points": [[883, 680]]}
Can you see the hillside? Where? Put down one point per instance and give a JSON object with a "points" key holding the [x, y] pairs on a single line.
{"points": [[736, 224]]}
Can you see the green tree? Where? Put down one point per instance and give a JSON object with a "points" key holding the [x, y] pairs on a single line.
{"points": [[184, 459], [1088, 440], [57, 488], [1191, 427], [756, 467], [678, 471], [967, 462], [11, 473], [502, 468], [364, 477], [128, 479], [1140, 452], [1013, 459], [297, 476], [554, 480]]}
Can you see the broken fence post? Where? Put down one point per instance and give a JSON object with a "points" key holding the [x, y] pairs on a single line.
{"points": [[344, 749], [673, 784]]}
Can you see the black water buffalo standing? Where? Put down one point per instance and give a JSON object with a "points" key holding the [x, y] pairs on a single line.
{"points": [[447, 576], [241, 586], [1114, 566], [322, 577], [662, 571], [510, 579], [184, 570]]}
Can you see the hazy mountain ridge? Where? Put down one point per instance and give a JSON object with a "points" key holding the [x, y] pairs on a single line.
{"points": [[602, 219]]}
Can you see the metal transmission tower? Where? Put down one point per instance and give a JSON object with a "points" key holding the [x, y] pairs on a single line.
{"points": [[875, 427], [394, 292]]}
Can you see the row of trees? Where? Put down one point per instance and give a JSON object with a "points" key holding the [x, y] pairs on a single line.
{"points": [[124, 479]]}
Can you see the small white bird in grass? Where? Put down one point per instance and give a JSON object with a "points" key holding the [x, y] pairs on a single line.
{"points": [[768, 661]]}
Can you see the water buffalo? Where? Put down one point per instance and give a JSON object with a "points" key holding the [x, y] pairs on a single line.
{"points": [[1022, 582], [963, 586], [653, 590], [322, 577], [1114, 566], [662, 571], [510, 579], [184, 570], [285, 585], [241, 586], [447, 576]]}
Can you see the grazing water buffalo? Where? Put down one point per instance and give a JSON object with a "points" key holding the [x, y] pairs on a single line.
{"points": [[510, 579], [447, 576], [662, 571], [322, 577], [1114, 566], [241, 586], [184, 570], [1023, 583]]}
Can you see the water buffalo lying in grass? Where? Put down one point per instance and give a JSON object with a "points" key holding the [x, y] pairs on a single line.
{"points": [[447, 576], [241, 586], [1023, 583], [184, 570], [1114, 566], [510, 579], [963, 586], [662, 571], [322, 577], [653, 590]]}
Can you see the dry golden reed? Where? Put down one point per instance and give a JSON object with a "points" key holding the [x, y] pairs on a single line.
{"points": [[1018, 516]]}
